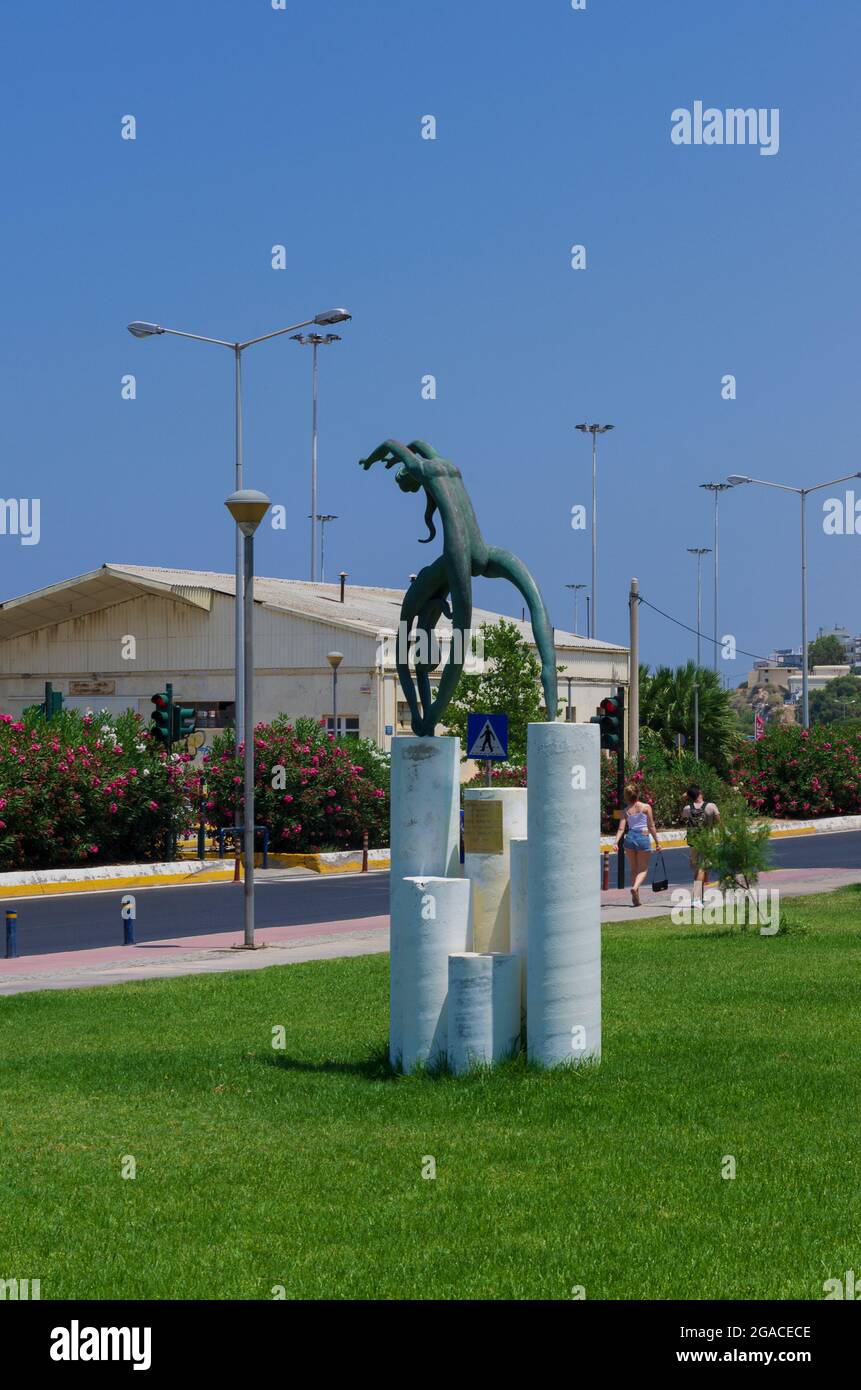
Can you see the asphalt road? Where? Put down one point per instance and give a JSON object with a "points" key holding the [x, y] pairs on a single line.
{"points": [[83, 920]]}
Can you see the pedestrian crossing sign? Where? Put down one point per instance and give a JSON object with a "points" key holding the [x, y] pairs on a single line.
{"points": [[487, 736]]}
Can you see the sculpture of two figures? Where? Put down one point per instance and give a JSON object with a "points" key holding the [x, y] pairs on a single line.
{"points": [[465, 554]]}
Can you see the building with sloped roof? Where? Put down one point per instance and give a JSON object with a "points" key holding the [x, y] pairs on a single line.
{"points": [[110, 639]]}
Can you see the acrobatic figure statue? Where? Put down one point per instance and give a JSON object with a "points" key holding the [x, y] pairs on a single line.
{"points": [[465, 553]]}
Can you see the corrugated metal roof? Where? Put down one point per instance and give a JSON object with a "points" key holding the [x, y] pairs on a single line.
{"points": [[365, 609]]}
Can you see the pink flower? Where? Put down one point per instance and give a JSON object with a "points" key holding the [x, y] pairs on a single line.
{"points": [[286, 798], [153, 805]]}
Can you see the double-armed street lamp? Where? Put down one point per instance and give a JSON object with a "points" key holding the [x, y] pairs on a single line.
{"points": [[736, 480], [594, 430], [153, 330], [315, 340], [576, 589], [323, 517], [717, 489], [248, 509]]}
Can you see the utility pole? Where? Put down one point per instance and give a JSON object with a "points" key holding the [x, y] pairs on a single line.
{"points": [[634, 672]]}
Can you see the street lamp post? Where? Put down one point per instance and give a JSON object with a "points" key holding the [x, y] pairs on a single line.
{"points": [[736, 480], [699, 551], [334, 659], [314, 340], [153, 330], [323, 517], [717, 489], [576, 588], [594, 430], [248, 509]]}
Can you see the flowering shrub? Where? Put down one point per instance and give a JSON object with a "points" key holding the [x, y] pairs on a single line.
{"points": [[88, 789], [312, 792], [663, 780], [801, 773]]}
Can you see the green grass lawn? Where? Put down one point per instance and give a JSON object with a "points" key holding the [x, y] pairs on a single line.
{"points": [[303, 1168]]}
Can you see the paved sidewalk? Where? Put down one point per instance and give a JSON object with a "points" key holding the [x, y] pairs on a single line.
{"points": [[314, 941], [616, 905]]}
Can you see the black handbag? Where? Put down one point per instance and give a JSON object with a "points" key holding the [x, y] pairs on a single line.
{"points": [[660, 885]]}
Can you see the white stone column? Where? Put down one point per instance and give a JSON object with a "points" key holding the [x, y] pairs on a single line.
{"points": [[519, 915], [435, 921], [490, 871], [483, 1008], [564, 931], [425, 838]]}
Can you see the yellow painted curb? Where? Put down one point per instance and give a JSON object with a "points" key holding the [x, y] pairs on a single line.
{"points": [[319, 864], [792, 831], [105, 885]]}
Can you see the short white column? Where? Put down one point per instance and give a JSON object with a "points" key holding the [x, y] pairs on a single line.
{"points": [[564, 931], [425, 838], [483, 1009], [434, 923], [489, 871], [519, 915]]}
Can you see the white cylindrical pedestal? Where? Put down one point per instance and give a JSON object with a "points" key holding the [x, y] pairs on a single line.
{"points": [[483, 1009], [519, 909], [425, 838], [564, 977], [434, 922], [490, 871]]}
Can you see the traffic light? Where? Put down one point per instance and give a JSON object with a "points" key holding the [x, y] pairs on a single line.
{"points": [[183, 722], [610, 722], [160, 727]]}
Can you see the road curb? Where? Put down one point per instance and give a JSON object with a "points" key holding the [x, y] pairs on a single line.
{"points": [[33, 883], [780, 830]]}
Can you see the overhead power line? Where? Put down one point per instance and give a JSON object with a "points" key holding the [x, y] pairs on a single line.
{"points": [[703, 635]]}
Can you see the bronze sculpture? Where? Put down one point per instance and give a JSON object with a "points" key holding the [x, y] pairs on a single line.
{"points": [[465, 554]]}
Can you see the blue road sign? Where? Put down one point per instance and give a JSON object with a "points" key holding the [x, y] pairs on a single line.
{"points": [[487, 736]]}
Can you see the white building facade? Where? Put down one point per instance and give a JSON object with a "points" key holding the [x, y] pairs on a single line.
{"points": [[112, 638]]}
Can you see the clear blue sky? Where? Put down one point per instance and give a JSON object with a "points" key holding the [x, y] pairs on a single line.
{"points": [[302, 127]]}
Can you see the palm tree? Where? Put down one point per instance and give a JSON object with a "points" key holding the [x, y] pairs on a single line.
{"points": [[667, 708]]}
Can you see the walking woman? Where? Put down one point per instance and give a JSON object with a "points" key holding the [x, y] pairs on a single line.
{"points": [[635, 826], [698, 814]]}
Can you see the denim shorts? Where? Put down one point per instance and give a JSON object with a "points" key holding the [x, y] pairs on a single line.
{"points": [[637, 839]]}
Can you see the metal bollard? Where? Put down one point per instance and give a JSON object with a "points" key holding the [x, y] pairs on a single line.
{"points": [[129, 931], [364, 851], [11, 935], [605, 880]]}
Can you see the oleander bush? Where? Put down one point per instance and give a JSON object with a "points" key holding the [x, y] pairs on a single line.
{"points": [[88, 789], [313, 792], [801, 773]]}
